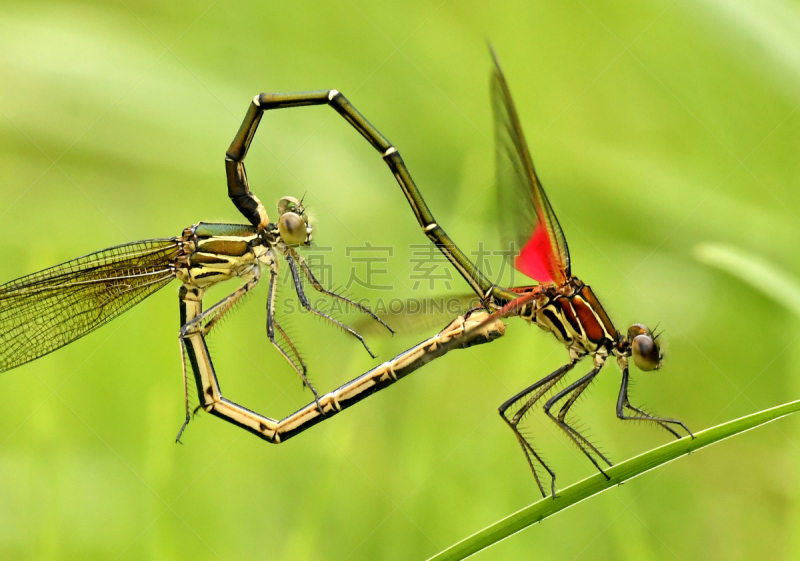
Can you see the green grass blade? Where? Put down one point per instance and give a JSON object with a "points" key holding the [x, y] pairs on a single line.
{"points": [[764, 276], [596, 484]]}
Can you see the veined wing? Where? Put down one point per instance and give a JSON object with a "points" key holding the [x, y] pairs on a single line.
{"points": [[526, 214], [44, 311]]}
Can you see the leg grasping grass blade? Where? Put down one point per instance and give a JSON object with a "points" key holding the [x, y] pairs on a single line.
{"points": [[622, 404]]}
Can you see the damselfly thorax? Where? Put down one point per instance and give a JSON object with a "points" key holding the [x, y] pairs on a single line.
{"points": [[572, 313], [213, 253]]}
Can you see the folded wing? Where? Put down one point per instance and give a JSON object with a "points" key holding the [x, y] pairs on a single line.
{"points": [[526, 217]]}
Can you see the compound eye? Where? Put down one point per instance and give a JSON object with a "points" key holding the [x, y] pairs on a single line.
{"points": [[646, 353], [292, 228], [638, 329], [289, 204]]}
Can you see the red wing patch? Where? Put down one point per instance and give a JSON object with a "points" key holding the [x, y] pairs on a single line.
{"points": [[537, 259]]}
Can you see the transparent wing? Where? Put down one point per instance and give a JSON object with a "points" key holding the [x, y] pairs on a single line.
{"points": [[526, 217], [418, 315], [44, 311]]}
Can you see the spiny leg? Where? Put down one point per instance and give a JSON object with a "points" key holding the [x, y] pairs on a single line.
{"points": [[623, 403], [576, 389], [189, 413], [298, 286], [319, 288], [280, 331], [185, 391], [249, 205], [543, 386], [218, 310], [272, 324], [562, 414], [195, 325]]}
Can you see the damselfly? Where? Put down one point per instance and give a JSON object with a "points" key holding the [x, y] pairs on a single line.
{"points": [[560, 304], [44, 311]]}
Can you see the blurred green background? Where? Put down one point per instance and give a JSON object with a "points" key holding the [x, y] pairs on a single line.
{"points": [[655, 126]]}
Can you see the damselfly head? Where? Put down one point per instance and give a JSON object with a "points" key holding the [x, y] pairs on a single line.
{"points": [[293, 222], [644, 348]]}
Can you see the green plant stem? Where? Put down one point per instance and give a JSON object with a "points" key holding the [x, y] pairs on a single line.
{"points": [[596, 484]]}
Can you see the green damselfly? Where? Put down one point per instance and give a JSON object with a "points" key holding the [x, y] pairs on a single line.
{"points": [[44, 311], [41, 312]]}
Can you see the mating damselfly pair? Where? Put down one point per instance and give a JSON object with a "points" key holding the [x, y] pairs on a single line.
{"points": [[41, 312]]}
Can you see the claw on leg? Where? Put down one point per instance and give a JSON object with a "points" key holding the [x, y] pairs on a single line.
{"points": [[663, 422], [538, 389]]}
